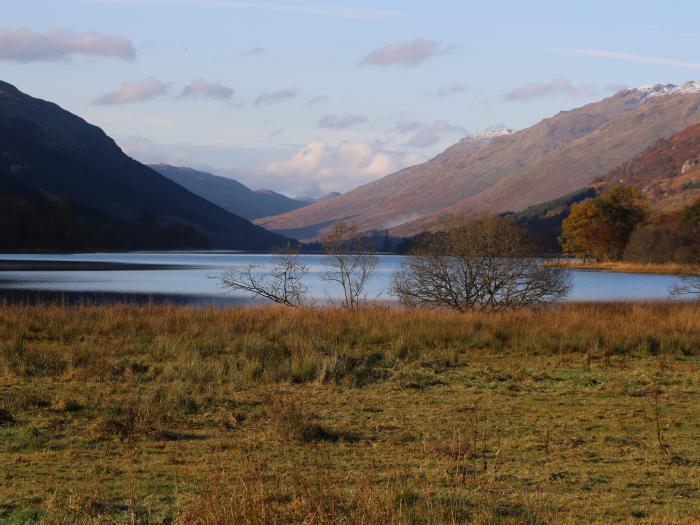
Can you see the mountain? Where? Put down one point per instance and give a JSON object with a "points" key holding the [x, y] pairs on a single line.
{"points": [[668, 172], [230, 194], [56, 163], [326, 196], [508, 171]]}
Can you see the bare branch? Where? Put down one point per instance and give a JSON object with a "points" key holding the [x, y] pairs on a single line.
{"points": [[485, 263], [283, 284], [351, 264]]}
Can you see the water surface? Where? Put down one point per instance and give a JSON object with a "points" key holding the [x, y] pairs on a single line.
{"points": [[191, 277]]}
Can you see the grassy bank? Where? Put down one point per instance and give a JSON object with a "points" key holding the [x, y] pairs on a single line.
{"points": [[629, 267], [575, 414]]}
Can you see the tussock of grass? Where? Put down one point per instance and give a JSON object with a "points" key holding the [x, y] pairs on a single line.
{"points": [[163, 414]]}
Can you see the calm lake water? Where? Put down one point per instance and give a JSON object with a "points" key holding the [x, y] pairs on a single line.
{"points": [[191, 277]]}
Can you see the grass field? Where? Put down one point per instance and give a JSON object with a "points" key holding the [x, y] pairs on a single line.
{"points": [[163, 414]]}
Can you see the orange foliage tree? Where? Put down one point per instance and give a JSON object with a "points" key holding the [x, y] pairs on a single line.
{"points": [[601, 227]]}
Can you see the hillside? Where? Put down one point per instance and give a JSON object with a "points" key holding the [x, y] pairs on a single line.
{"points": [[230, 194], [508, 171], [49, 155], [32, 220], [668, 172]]}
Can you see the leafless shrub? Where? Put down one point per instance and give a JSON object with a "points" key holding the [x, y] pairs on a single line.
{"points": [[351, 262], [484, 263], [282, 284]]}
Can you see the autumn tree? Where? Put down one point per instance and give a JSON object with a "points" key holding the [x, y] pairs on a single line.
{"points": [[601, 227]]}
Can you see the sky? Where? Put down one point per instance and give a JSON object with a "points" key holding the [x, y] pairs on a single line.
{"points": [[310, 97]]}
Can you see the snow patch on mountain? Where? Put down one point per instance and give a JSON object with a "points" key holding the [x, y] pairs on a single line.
{"points": [[665, 89], [486, 136]]}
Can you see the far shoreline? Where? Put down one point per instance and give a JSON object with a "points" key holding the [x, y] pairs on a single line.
{"points": [[630, 267]]}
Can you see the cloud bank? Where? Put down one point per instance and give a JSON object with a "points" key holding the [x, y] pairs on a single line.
{"points": [[403, 53], [58, 44], [202, 89], [318, 169], [558, 86], [130, 92]]}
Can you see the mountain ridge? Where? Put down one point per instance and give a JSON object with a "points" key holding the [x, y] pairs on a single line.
{"points": [[46, 149], [229, 194], [550, 159]]}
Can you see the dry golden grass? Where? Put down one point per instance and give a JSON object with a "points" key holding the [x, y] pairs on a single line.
{"points": [[629, 267], [163, 414]]}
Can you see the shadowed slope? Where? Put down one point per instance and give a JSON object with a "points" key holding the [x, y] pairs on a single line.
{"points": [[46, 149]]}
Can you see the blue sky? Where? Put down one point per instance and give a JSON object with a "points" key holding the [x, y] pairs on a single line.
{"points": [[310, 97]]}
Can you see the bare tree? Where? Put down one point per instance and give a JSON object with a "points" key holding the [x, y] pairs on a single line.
{"points": [[282, 284], [690, 286], [484, 263], [351, 262]]}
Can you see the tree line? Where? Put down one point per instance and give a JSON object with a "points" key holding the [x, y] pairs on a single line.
{"points": [[619, 225], [30, 220]]}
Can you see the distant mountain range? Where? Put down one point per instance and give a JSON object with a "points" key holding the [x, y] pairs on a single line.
{"points": [[504, 171], [230, 194], [65, 184]]}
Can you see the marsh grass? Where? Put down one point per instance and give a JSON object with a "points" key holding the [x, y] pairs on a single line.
{"points": [[163, 414]]}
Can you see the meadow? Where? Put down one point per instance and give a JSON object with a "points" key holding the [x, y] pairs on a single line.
{"points": [[576, 413]]}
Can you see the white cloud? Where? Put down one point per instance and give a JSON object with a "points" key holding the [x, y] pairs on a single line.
{"points": [[24, 45], [558, 86], [275, 96], [202, 88], [336, 122], [403, 53], [632, 57], [318, 169], [134, 92]]}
